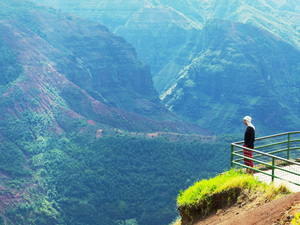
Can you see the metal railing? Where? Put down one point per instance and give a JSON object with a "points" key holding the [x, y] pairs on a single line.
{"points": [[274, 157]]}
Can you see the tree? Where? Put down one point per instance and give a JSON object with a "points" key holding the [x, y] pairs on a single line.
{"points": [[2, 222]]}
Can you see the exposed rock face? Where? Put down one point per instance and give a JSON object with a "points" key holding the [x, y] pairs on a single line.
{"points": [[155, 29], [154, 26], [240, 70], [168, 36], [88, 55], [79, 66], [164, 32]]}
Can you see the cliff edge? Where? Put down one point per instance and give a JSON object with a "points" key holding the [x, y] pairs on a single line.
{"points": [[237, 198]]}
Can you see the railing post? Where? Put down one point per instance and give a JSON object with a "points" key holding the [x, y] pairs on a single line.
{"points": [[291, 139], [231, 156], [273, 163], [288, 147]]}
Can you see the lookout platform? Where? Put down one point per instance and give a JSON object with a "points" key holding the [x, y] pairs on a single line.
{"points": [[275, 158]]}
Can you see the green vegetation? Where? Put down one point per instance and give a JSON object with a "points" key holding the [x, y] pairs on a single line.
{"points": [[10, 70], [2, 222], [209, 90], [224, 190], [49, 157], [52, 168], [203, 190], [121, 172], [73, 178]]}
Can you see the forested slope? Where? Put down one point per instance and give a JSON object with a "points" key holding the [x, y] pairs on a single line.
{"points": [[239, 70], [75, 179], [76, 105]]}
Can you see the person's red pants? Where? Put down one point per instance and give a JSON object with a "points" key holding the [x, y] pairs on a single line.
{"points": [[248, 154]]}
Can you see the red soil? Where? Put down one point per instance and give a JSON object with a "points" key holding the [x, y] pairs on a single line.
{"points": [[91, 122], [280, 211]]}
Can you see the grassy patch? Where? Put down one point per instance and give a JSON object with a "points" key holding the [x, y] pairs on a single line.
{"points": [[230, 180], [203, 189], [233, 188]]}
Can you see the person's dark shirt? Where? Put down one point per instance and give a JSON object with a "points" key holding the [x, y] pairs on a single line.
{"points": [[249, 137]]}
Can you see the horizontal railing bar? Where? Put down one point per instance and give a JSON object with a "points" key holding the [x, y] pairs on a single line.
{"points": [[255, 160], [266, 154], [238, 151], [294, 148], [277, 151], [257, 170], [244, 157], [270, 145], [277, 135], [287, 141], [270, 136], [288, 171], [277, 143], [267, 164], [292, 182], [280, 150], [264, 146], [256, 156]]}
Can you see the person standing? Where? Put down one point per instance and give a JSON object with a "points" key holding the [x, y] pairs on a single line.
{"points": [[249, 139]]}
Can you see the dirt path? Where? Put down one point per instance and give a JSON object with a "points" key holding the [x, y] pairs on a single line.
{"points": [[280, 211]]}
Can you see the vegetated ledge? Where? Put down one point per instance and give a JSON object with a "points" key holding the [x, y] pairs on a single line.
{"points": [[206, 197], [212, 204]]}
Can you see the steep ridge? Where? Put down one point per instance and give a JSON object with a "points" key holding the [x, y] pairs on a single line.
{"points": [[133, 19], [167, 36], [156, 30], [69, 148], [240, 69], [87, 55], [164, 32], [82, 67]]}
